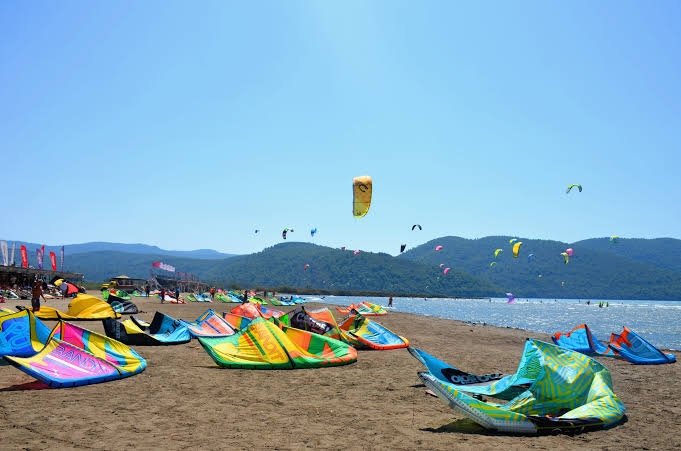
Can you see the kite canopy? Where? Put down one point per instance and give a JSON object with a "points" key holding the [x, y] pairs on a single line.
{"points": [[510, 298], [614, 239], [209, 324], [569, 251], [121, 305], [263, 345], [497, 252], [566, 257], [516, 249], [439, 247], [417, 225], [581, 339], [313, 231], [402, 247], [635, 349], [82, 307], [365, 308], [553, 389], [574, 185], [22, 334], [493, 264], [70, 356], [371, 334], [361, 195], [163, 330]]}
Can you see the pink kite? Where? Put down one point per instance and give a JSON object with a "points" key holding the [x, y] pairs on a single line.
{"points": [[356, 252], [446, 270], [438, 247], [569, 251]]}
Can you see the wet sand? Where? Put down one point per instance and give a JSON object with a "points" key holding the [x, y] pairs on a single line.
{"points": [[183, 400]]}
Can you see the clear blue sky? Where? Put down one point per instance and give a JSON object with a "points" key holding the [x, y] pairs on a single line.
{"points": [[189, 124]]}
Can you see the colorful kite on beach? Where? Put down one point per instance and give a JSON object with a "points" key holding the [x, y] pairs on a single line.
{"points": [[516, 249], [574, 185], [361, 195], [497, 252]]}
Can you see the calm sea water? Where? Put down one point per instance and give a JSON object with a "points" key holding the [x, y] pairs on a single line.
{"points": [[657, 321]]}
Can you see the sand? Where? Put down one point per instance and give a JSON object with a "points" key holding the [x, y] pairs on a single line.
{"points": [[183, 400]]}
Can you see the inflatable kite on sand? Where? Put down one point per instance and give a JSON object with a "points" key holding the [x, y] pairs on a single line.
{"points": [[83, 307], [627, 345], [163, 330], [67, 356], [263, 345], [209, 324], [554, 389]]}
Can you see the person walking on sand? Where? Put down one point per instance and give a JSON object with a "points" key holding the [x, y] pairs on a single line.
{"points": [[147, 289], [36, 294], [163, 295], [177, 293], [63, 288], [390, 301]]}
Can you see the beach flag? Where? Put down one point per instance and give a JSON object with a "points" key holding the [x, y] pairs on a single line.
{"points": [[11, 260], [40, 254], [62, 258], [53, 260], [3, 245], [24, 256]]}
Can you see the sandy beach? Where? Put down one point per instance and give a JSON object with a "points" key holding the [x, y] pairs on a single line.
{"points": [[183, 400]]}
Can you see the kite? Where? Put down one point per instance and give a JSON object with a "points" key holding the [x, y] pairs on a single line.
{"points": [[313, 231], [493, 264], [510, 297], [283, 232], [417, 225], [566, 257], [361, 195], [402, 247], [442, 265], [307, 265], [512, 240], [497, 252], [614, 239], [530, 256], [257, 230], [439, 247], [516, 249], [574, 185], [569, 251], [356, 251], [446, 270]]}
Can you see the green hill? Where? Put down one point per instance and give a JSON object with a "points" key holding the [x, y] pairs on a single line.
{"points": [[595, 271]]}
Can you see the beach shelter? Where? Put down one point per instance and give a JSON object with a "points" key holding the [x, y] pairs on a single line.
{"points": [[82, 307], [70, 355], [553, 389], [162, 331], [264, 345]]}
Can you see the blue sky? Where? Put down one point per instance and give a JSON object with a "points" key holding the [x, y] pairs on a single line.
{"points": [[190, 124]]}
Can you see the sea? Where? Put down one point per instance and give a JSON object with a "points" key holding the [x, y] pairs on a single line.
{"points": [[659, 322]]}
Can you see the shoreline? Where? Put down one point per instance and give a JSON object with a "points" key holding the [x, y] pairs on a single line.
{"points": [[187, 400]]}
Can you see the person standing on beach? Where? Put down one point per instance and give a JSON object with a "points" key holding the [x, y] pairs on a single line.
{"points": [[212, 293], [177, 293], [63, 288], [390, 301], [36, 294], [245, 296], [147, 290], [163, 295]]}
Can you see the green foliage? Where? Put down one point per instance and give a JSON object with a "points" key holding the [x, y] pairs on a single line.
{"points": [[640, 270]]}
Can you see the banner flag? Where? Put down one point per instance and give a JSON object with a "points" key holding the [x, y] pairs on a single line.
{"points": [[24, 256], [53, 260]]}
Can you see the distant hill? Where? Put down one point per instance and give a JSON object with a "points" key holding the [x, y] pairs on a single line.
{"points": [[284, 265], [98, 246], [639, 270]]}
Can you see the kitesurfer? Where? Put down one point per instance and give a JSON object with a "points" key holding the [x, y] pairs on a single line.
{"points": [[36, 294]]}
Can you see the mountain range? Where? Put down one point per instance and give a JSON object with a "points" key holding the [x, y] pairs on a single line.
{"points": [[599, 268]]}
